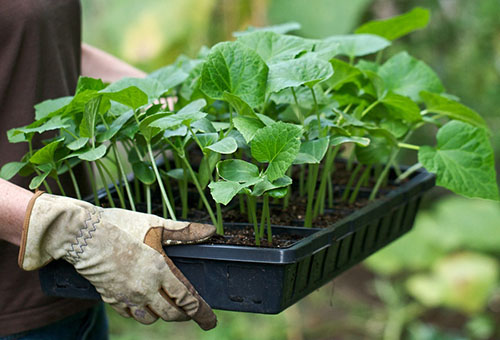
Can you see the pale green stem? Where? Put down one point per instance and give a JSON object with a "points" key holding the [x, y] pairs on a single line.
{"points": [[328, 167], [74, 181], [363, 177], [369, 108], [200, 191], [311, 188], [110, 198], [302, 174], [384, 173], [148, 198], [289, 191], [92, 183], [348, 186], [412, 169], [251, 209], [61, 188], [124, 177], [330, 191], [409, 146], [118, 189], [160, 183], [298, 112], [316, 110]]}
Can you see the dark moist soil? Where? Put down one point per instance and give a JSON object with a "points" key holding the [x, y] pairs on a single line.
{"points": [[245, 237], [293, 215]]}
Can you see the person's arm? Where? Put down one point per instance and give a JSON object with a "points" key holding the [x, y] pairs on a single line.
{"points": [[13, 204], [99, 64]]}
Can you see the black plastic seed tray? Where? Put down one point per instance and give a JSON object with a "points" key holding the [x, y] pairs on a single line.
{"points": [[268, 280]]}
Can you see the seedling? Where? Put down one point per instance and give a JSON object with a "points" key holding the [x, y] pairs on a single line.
{"points": [[254, 115]]}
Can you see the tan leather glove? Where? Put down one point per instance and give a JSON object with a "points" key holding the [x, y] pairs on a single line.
{"points": [[120, 253]]}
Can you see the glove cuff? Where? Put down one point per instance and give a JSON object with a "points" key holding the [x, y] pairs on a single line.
{"points": [[24, 235]]}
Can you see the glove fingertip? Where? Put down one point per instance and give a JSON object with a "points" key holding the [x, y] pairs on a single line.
{"points": [[205, 317]]}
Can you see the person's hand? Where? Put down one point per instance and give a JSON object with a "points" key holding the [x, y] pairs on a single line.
{"points": [[120, 253]]}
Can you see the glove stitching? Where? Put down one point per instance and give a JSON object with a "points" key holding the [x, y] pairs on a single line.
{"points": [[73, 255]]}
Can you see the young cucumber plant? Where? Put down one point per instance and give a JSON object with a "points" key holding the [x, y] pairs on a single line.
{"points": [[254, 116]]}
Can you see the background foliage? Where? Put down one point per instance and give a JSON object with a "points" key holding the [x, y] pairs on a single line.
{"points": [[439, 282]]}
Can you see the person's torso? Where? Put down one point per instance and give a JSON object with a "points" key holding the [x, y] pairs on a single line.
{"points": [[39, 59]]}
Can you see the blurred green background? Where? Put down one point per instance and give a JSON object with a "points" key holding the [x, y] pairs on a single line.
{"points": [[441, 281]]}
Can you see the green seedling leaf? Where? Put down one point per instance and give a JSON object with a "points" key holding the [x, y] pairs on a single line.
{"points": [[117, 109], [234, 68], [144, 172], [397, 26], [362, 141], [237, 170], [366, 65], [273, 47], [462, 161], [225, 146], [17, 136], [278, 145], [130, 130], [41, 126], [179, 132], [51, 106], [395, 127], [191, 84], [450, 108], [239, 105], [265, 185], [280, 29], [238, 137], [178, 174], [248, 126], [207, 167], [45, 155], [221, 126], [407, 76], [313, 151], [38, 180], [401, 107], [77, 144], [115, 126], [343, 73], [357, 45], [188, 114], [131, 96], [278, 193], [307, 70], [150, 86], [88, 83], [169, 77], [324, 49], [11, 169], [203, 125], [348, 119], [377, 152], [224, 191], [207, 139], [148, 131], [265, 119], [87, 126], [304, 96], [91, 154]]}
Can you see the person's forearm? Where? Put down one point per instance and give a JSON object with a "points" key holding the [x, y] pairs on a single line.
{"points": [[99, 64], [13, 203]]}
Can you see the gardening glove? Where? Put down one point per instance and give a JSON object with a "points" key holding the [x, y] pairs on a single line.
{"points": [[120, 253]]}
